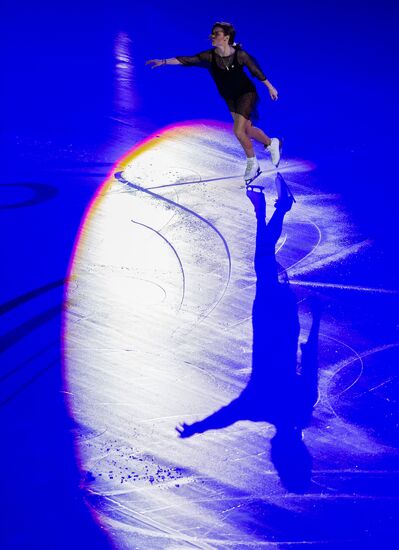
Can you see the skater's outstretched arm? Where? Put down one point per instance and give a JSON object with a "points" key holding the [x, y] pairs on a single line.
{"points": [[159, 62], [226, 416], [201, 59]]}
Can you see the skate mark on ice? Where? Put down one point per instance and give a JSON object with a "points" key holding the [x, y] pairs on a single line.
{"points": [[314, 284], [175, 253], [203, 220], [210, 180], [308, 222], [343, 364]]}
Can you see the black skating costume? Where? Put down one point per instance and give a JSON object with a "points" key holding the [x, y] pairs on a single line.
{"points": [[230, 78]]}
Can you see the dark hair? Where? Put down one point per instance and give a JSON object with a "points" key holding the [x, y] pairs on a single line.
{"points": [[227, 28]]}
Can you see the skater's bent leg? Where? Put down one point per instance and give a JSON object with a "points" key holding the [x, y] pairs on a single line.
{"points": [[240, 123], [257, 133]]}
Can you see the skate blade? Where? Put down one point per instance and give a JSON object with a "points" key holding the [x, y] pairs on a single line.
{"points": [[249, 181], [255, 188]]}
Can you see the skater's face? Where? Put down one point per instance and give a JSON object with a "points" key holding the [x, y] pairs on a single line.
{"points": [[219, 39]]}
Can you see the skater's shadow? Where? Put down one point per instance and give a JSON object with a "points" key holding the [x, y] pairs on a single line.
{"points": [[277, 392]]}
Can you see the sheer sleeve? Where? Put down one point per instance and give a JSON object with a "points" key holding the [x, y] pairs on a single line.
{"points": [[245, 59], [202, 59]]}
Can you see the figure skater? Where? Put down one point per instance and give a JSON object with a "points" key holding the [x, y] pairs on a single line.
{"points": [[226, 61]]}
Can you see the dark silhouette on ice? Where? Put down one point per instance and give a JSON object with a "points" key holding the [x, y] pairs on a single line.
{"points": [[277, 391]]}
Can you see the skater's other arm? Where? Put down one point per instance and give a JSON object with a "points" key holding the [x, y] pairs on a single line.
{"points": [[272, 90], [245, 59]]}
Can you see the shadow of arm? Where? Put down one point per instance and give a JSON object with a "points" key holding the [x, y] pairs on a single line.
{"points": [[226, 416]]}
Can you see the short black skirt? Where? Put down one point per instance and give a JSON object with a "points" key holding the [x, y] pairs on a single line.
{"points": [[245, 104]]}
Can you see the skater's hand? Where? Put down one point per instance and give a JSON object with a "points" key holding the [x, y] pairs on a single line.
{"points": [[273, 93], [155, 63], [185, 430]]}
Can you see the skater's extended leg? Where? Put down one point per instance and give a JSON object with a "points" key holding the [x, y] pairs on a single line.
{"points": [[240, 131], [252, 170]]}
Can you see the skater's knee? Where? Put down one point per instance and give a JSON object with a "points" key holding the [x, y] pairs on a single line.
{"points": [[240, 134]]}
